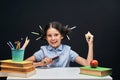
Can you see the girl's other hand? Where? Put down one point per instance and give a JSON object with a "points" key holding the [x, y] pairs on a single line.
{"points": [[89, 38]]}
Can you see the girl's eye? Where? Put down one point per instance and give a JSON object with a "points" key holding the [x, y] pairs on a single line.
{"points": [[56, 34], [49, 35]]}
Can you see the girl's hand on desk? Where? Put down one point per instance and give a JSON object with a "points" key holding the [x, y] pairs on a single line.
{"points": [[46, 61]]}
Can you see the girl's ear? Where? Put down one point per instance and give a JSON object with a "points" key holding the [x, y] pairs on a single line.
{"points": [[62, 37]]}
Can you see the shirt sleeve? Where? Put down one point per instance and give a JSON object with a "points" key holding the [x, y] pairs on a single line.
{"points": [[73, 55], [39, 55]]}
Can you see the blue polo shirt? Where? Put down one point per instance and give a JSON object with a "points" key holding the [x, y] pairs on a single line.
{"points": [[63, 51]]}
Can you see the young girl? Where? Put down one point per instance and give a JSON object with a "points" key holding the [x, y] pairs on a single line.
{"points": [[54, 33]]}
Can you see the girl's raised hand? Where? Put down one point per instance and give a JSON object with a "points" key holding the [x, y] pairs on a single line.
{"points": [[89, 38]]}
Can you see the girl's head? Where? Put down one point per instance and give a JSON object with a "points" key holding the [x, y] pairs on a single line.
{"points": [[54, 32]]}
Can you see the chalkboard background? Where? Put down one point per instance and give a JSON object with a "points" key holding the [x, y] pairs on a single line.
{"points": [[18, 18]]}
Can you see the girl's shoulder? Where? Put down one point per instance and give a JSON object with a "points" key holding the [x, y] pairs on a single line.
{"points": [[43, 47], [66, 46]]}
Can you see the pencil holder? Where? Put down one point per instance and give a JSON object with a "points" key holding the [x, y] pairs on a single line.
{"points": [[17, 55]]}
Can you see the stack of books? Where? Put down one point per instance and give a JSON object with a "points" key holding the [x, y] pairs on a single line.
{"points": [[17, 69], [98, 71]]}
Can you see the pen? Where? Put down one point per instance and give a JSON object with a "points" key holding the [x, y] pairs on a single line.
{"points": [[54, 58], [11, 45]]}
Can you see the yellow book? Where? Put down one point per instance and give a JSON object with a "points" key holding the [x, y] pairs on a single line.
{"points": [[10, 66], [17, 69], [98, 71], [9, 62]]}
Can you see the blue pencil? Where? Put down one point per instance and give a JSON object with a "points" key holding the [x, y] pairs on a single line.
{"points": [[11, 45]]}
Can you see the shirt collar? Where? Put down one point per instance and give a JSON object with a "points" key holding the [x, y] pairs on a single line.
{"points": [[57, 49]]}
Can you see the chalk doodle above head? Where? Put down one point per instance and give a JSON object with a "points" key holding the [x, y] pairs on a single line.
{"points": [[65, 31], [40, 34], [69, 30]]}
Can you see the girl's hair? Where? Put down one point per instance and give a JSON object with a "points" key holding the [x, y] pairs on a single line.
{"points": [[64, 30]]}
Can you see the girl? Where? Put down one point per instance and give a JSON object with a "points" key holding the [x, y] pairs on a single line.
{"points": [[54, 33]]}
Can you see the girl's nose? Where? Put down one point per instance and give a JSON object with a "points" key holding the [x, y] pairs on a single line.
{"points": [[53, 37]]}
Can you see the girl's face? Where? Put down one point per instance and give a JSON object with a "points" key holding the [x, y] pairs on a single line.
{"points": [[53, 37]]}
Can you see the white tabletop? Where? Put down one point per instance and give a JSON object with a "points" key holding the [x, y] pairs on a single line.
{"points": [[69, 73]]}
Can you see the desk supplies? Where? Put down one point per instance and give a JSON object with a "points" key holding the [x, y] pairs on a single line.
{"points": [[17, 43], [10, 45], [17, 55], [55, 58], [18, 51]]}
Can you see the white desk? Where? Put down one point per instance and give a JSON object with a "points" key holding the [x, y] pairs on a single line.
{"points": [[69, 73]]}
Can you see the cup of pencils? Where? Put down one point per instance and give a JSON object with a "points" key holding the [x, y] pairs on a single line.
{"points": [[17, 53]]}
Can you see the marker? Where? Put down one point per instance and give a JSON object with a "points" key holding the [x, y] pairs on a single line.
{"points": [[55, 58], [11, 45]]}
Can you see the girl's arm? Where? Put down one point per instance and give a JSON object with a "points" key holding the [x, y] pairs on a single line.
{"points": [[86, 62], [44, 62]]}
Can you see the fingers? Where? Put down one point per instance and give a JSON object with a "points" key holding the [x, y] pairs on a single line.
{"points": [[91, 39], [46, 61], [89, 36]]}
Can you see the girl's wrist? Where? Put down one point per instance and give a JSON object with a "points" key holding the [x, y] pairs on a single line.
{"points": [[36, 64], [90, 45]]}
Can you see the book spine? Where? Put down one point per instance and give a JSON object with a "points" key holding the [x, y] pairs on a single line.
{"points": [[17, 65], [17, 70]]}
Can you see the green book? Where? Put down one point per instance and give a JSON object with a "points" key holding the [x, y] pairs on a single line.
{"points": [[98, 71]]}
